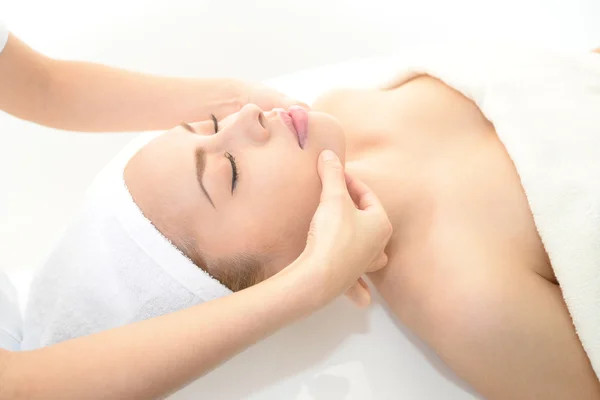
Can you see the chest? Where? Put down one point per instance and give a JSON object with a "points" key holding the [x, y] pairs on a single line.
{"points": [[445, 179]]}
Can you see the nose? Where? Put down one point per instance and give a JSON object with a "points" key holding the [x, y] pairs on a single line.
{"points": [[252, 123]]}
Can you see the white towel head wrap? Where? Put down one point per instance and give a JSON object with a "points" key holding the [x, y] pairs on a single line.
{"points": [[111, 267]]}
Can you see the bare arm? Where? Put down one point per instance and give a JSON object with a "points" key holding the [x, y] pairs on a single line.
{"points": [[83, 96], [152, 358]]}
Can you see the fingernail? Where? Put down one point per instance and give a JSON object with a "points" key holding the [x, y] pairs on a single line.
{"points": [[329, 155]]}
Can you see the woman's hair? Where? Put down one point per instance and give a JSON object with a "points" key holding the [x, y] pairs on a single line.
{"points": [[237, 272]]}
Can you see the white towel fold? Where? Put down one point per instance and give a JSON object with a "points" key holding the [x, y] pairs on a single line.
{"points": [[545, 107], [112, 267]]}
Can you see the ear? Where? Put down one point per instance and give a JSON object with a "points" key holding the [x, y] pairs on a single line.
{"points": [[360, 294]]}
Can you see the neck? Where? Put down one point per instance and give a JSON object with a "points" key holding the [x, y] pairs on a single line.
{"points": [[401, 184]]}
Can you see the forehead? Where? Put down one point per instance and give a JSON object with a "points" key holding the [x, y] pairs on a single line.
{"points": [[166, 162], [161, 180]]}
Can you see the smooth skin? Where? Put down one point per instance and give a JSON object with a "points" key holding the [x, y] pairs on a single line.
{"points": [[467, 270], [158, 356]]}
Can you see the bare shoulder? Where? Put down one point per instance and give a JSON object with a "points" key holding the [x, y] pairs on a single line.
{"points": [[420, 90], [421, 102], [5, 386], [338, 100], [358, 110]]}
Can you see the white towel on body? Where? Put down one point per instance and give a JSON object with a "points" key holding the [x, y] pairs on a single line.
{"points": [[545, 107]]}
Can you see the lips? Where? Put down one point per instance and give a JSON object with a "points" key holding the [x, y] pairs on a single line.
{"points": [[300, 120], [296, 119]]}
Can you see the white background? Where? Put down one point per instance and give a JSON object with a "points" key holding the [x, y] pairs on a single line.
{"points": [[43, 173]]}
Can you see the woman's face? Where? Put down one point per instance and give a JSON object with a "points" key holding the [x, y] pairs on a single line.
{"points": [[248, 189]]}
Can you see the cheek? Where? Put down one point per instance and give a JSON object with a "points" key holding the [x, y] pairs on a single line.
{"points": [[270, 213], [286, 215], [272, 222]]}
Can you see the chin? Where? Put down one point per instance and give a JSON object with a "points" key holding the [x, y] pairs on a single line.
{"points": [[326, 132]]}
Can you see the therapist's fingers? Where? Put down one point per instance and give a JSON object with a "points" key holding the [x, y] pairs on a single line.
{"points": [[361, 194], [289, 102], [266, 97], [370, 209], [359, 294], [379, 263], [332, 177]]}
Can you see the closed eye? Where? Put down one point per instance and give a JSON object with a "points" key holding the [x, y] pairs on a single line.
{"points": [[215, 122], [234, 171]]}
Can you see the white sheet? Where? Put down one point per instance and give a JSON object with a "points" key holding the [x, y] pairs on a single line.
{"points": [[338, 353], [10, 318]]}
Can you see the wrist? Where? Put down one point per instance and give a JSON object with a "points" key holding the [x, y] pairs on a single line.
{"points": [[213, 96], [232, 97], [308, 279]]}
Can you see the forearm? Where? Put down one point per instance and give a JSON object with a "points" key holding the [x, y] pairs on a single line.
{"points": [[93, 97], [153, 358], [24, 81], [90, 97]]}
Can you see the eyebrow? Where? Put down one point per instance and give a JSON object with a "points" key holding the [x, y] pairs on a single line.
{"points": [[200, 164], [200, 157]]}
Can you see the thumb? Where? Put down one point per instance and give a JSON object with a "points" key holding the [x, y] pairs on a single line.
{"points": [[332, 175]]}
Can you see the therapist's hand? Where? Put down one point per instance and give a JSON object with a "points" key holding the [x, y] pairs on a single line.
{"points": [[265, 97], [348, 233]]}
